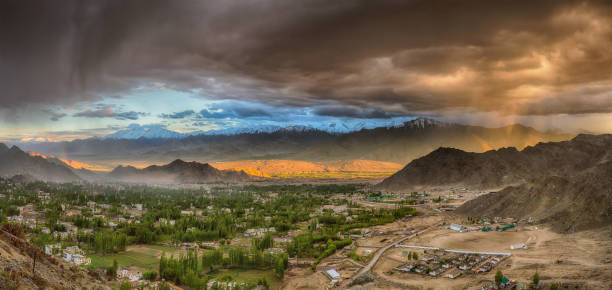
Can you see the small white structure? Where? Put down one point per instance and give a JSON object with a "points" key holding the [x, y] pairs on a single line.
{"points": [[518, 246], [332, 274], [138, 206], [459, 228], [53, 249], [258, 232], [453, 275], [133, 276], [80, 260], [15, 218], [75, 255]]}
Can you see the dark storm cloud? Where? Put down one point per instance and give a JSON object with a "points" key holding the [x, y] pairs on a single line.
{"points": [[354, 112], [178, 115], [54, 116], [110, 111], [515, 57]]}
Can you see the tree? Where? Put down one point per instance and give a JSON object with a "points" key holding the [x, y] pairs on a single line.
{"points": [[280, 267], [498, 277], [415, 256], [112, 270], [125, 285], [536, 279], [263, 282], [150, 275], [554, 286]]}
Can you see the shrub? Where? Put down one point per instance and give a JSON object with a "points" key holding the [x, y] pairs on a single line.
{"points": [[498, 277], [150, 275], [536, 279]]}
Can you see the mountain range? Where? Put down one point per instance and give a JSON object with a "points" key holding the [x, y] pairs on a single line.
{"points": [[505, 166], [565, 184], [399, 144], [155, 131], [28, 166], [14, 161]]}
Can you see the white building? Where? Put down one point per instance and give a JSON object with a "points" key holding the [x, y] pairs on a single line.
{"points": [[53, 249], [518, 246], [331, 273], [138, 206], [15, 218], [458, 228], [258, 232], [133, 276], [78, 260]]}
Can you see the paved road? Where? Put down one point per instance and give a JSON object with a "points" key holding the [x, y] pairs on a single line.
{"points": [[379, 254]]}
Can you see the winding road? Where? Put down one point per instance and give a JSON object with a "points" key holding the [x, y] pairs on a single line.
{"points": [[379, 254]]}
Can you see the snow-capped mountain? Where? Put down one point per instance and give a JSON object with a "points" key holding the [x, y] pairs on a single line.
{"points": [[241, 130], [422, 123], [135, 131]]}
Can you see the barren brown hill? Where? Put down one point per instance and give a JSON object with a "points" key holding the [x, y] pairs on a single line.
{"points": [[177, 171], [506, 166], [16, 258], [569, 203], [14, 161]]}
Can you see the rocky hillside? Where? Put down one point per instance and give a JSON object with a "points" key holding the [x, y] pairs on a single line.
{"points": [[16, 258], [177, 171], [506, 166], [14, 161], [568, 203]]}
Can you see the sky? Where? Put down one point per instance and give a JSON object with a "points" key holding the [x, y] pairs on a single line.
{"points": [[75, 68]]}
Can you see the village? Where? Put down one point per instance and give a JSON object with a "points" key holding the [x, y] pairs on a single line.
{"points": [[411, 250]]}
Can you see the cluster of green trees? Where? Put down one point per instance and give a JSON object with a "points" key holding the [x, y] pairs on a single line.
{"points": [[106, 243], [184, 269], [267, 241], [413, 256], [330, 248], [82, 221]]}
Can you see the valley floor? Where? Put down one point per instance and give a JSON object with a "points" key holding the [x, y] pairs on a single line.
{"points": [[580, 260]]}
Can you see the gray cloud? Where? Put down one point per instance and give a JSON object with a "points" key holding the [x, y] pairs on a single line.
{"points": [[178, 115], [110, 111], [354, 112], [54, 116], [513, 57]]}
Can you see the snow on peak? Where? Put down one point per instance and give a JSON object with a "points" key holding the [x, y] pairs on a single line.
{"points": [[136, 131]]}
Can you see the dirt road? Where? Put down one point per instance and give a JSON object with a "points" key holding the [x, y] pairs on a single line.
{"points": [[377, 256]]}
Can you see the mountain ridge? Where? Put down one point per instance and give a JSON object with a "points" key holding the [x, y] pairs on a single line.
{"points": [[178, 171], [397, 144], [505, 166], [14, 161]]}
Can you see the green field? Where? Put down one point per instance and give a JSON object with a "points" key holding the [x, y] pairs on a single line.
{"points": [[248, 276], [146, 257]]}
